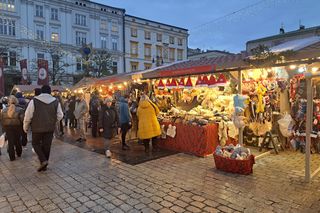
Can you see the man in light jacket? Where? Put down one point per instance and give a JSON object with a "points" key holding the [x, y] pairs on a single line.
{"points": [[42, 114], [80, 114]]}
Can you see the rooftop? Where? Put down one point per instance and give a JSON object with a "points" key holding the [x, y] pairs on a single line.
{"points": [[143, 19], [287, 34]]}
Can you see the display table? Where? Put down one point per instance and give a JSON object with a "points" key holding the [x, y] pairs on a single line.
{"points": [[196, 140]]}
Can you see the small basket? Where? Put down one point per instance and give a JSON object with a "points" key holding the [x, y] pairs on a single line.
{"points": [[243, 167]]}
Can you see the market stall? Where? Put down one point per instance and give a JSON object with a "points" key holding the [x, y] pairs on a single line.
{"points": [[28, 90]]}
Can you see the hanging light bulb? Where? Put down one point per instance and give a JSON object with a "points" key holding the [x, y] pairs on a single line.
{"points": [[293, 66], [314, 69]]}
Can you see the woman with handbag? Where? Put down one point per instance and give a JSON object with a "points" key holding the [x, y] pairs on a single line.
{"points": [[148, 124], [108, 123], [12, 120]]}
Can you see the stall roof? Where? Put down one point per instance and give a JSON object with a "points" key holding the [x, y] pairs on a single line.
{"points": [[201, 66], [84, 82], [296, 44], [30, 88]]}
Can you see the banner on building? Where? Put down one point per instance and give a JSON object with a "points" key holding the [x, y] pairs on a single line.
{"points": [[1, 77], [24, 71], [43, 78]]}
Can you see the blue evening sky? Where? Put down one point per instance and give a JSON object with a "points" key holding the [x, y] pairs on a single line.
{"points": [[210, 26]]}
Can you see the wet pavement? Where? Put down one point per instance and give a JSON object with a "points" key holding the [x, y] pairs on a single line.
{"points": [[79, 180]]}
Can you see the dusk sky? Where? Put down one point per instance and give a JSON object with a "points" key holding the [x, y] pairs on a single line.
{"points": [[225, 24]]}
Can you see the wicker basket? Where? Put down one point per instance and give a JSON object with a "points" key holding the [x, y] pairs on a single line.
{"points": [[243, 167]]}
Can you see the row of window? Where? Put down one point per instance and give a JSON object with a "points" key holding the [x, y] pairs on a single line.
{"points": [[135, 66], [159, 50], [7, 5], [147, 36], [7, 27]]}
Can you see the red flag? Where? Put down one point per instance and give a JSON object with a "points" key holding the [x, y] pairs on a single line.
{"points": [[43, 78], [1, 77], [24, 71]]}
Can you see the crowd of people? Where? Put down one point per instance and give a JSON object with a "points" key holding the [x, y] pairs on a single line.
{"points": [[45, 116]]}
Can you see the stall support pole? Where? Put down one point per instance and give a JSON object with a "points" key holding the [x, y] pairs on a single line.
{"points": [[240, 93], [308, 128]]}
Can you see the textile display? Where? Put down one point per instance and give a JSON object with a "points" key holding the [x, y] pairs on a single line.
{"points": [[197, 140]]}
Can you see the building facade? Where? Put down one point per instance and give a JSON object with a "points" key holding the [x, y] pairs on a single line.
{"points": [[283, 37], [149, 44], [30, 28]]}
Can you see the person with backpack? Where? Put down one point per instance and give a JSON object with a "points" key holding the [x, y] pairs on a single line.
{"points": [[11, 121], [94, 106]]}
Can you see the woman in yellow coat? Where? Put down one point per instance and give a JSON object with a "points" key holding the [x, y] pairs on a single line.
{"points": [[148, 126]]}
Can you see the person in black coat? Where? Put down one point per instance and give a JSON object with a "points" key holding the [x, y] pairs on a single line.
{"points": [[72, 119], [108, 123]]}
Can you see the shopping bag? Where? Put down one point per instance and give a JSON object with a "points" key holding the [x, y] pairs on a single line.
{"points": [[3, 140]]}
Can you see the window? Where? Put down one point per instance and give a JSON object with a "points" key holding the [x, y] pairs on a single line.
{"points": [[13, 58], [147, 51], [7, 27], [147, 66], [134, 32], [180, 41], [54, 14], [171, 54], [114, 27], [180, 55], [171, 39], [103, 42], [134, 66], [79, 64], [114, 44], [159, 37], [81, 38], [103, 24], [159, 51], [114, 67], [134, 49], [147, 35], [40, 56], [7, 5], [4, 56], [81, 20], [39, 10], [55, 37], [40, 32]]}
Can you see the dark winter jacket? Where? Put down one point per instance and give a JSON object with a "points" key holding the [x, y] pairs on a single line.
{"points": [[108, 121], [72, 106], [16, 121], [22, 100], [124, 116], [94, 106]]}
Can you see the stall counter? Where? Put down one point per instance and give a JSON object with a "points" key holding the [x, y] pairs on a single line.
{"points": [[197, 140]]}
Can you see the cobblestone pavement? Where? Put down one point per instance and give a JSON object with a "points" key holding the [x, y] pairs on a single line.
{"points": [[82, 181]]}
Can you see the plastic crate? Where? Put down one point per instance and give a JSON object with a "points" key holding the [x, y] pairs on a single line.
{"points": [[243, 167]]}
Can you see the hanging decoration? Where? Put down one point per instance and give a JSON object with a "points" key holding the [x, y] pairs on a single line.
{"points": [[161, 84], [168, 84], [222, 81], [181, 83], [174, 84], [199, 82], [188, 84], [205, 81], [212, 82]]}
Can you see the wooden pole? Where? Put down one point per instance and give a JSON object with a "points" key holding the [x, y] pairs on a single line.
{"points": [[240, 93], [308, 127]]}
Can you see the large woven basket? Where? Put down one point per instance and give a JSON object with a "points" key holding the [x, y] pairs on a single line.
{"points": [[243, 167]]}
